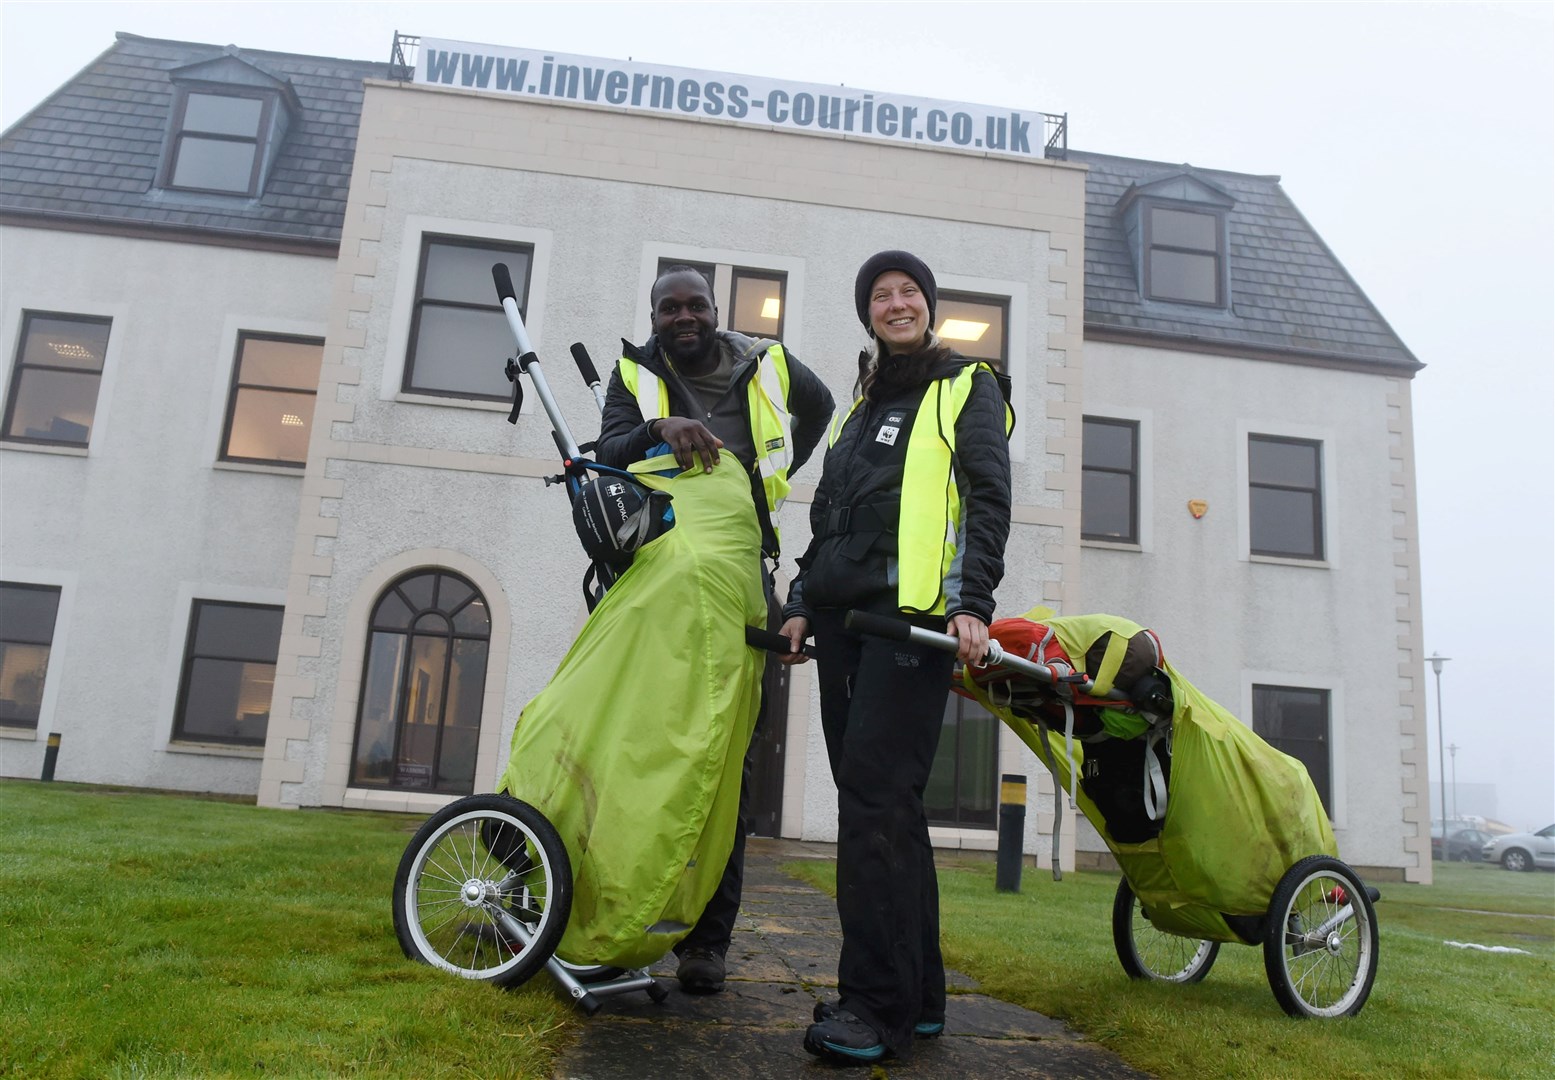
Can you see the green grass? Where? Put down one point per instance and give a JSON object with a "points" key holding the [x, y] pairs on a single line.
{"points": [[1435, 1011], [152, 935]]}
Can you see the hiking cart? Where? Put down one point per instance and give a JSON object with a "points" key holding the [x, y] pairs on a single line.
{"points": [[623, 828], [1220, 837]]}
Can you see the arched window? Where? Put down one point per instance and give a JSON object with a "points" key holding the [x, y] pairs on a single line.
{"points": [[425, 678]]}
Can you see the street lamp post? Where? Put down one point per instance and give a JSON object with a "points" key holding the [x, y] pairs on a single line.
{"points": [[1452, 751], [1441, 754]]}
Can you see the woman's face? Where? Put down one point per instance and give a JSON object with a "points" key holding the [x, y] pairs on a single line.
{"points": [[898, 312]]}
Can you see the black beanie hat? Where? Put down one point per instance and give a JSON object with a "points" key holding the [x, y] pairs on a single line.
{"points": [[878, 264]]}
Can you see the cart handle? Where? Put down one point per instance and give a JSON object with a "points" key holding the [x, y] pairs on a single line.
{"points": [[757, 638], [884, 626]]}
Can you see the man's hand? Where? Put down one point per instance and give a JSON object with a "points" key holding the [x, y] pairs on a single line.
{"points": [[689, 440], [973, 635], [795, 630]]}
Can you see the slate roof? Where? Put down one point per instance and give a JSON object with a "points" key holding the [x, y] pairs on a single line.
{"points": [[90, 152], [1288, 291]]}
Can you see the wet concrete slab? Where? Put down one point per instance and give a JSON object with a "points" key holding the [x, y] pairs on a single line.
{"points": [[783, 959]]}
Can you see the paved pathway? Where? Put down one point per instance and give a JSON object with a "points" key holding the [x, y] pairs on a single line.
{"points": [[783, 960]]}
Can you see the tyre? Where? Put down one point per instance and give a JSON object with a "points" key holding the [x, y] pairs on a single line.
{"points": [[484, 890], [1320, 950], [1516, 859], [1463, 856], [1148, 953]]}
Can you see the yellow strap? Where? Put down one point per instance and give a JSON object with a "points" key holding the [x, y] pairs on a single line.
{"points": [[1111, 661]]}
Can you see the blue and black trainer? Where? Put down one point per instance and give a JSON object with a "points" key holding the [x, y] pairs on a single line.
{"points": [[923, 1029], [843, 1037]]}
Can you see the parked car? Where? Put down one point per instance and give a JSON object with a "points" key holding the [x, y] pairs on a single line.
{"points": [[1523, 851], [1463, 845]]}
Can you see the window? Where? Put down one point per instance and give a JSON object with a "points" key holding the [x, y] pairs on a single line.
{"points": [[270, 410], [1295, 722], [459, 337], [1109, 480], [229, 673], [59, 364], [963, 788], [974, 326], [216, 143], [26, 636], [420, 716], [749, 301], [1285, 497], [1184, 256]]}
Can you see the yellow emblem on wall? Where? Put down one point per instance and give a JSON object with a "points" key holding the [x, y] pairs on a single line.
{"points": [[1198, 508]]}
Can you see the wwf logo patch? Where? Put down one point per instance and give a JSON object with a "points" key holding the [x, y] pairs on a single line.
{"points": [[888, 434]]}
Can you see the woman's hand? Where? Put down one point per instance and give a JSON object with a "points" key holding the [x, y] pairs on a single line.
{"points": [[973, 635], [795, 630], [689, 440]]}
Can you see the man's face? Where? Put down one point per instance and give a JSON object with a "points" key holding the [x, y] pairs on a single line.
{"points": [[684, 317]]}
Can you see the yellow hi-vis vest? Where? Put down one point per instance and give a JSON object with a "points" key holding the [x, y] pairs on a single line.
{"points": [[767, 396], [930, 515]]}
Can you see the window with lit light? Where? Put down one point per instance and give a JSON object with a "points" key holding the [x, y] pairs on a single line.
{"points": [[975, 326], [54, 382], [459, 336], [270, 408], [229, 673]]}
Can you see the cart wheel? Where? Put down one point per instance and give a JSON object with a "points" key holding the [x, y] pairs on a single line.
{"points": [[657, 993], [483, 890], [1148, 953], [1320, 949]]}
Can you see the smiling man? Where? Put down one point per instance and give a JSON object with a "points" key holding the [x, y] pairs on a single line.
{"points": [[707, 392]]}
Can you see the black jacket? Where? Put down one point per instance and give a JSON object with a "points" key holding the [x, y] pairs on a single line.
{"points": [[857, 567], [623, 432]]}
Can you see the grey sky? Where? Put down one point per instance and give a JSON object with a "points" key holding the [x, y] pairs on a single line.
{"points": [[1417, 138]]}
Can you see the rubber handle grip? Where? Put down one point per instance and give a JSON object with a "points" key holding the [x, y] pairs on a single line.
{"points": [[757, 638], [504, 280], [883, 626], [585, 363]]}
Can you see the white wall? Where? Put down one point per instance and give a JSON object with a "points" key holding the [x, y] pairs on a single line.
{"points": [[1228, 619], [145, 521]]}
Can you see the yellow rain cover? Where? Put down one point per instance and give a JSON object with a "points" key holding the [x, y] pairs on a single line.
{"points": [[1239, 813], [634, 748]]}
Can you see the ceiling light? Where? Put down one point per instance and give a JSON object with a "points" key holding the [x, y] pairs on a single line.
{"points": [[770, 308], [963, 330], [72, 351], [291, 420]]}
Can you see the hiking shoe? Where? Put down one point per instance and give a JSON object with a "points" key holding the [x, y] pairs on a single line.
{"points": [[701, 971], [844, 1037], [923, 1029]]}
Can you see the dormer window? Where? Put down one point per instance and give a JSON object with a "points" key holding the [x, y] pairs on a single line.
{"points": [[228, 123], [216, 143], [1185, 256], [1176, 225]]}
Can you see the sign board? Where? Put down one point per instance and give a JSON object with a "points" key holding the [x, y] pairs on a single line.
{"points": [[671, 91]]}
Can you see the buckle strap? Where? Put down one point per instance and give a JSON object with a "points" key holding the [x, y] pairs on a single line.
{"points": [[867, 518]]}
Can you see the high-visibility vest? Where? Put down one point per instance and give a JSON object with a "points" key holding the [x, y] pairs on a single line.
{"points": [[930, 515], [767, 397]]}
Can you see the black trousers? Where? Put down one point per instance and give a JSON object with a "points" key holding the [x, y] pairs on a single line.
{"points": [[882, 707]]}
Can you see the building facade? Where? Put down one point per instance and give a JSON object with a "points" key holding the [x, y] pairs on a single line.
{"points": [[266, 532]]}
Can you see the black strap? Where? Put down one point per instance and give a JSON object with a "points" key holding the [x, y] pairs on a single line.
{"points": [[865, 518]]}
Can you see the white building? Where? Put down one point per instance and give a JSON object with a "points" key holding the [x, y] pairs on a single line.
{"points": [[266, 533]]}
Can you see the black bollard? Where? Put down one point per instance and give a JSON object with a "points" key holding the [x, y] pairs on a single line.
{"points": [[1012, 832], [50, 756]]}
